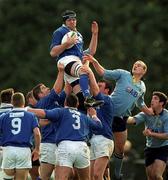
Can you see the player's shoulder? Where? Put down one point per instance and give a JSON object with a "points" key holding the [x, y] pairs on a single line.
{"points": [[122, 72], [61, 30], [165, 112]]}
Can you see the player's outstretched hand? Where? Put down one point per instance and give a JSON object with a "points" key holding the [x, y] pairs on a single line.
{"points": [[71, 40], [94, 27], [88, 57]]}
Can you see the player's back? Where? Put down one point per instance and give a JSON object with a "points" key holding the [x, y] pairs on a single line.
{"points": [[17, 127]]}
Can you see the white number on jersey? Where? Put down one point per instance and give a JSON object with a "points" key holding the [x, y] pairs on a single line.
{"points": [[16, 125], [76, 116]]}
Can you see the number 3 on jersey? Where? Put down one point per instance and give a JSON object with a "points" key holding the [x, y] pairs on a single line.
{"points": [[76, 116], [16, 125]]}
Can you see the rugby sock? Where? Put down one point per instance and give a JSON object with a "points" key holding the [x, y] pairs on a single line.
{"points": [[118, 162], [84, 84]]}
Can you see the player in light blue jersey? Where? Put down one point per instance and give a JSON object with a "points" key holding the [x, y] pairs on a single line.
{"points": [[128, 92], [73, 129], [156, 132], [47, 99], [17, 126], [71, 57]]}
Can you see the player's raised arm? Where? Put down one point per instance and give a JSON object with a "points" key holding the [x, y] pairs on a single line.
{"points": [[58, 85], [94, 38]]}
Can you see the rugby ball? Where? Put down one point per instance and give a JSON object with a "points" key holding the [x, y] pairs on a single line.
{"points": [[66, 36]]}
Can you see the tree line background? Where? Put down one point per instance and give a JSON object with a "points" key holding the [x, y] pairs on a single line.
{"points": [[128, 30]]}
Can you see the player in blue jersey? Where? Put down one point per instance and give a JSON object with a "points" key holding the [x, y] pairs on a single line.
{"points": [[34, 171], [128, 92], [17, 127], [71, 57], [47, 99], [5, 97], [102, 144], [156, 132], [5, 106], [72, 133]]}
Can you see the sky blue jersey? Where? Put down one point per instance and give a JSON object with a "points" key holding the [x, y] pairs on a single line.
{"points": [[126, 93], [51, 101], [17, 127], [158, 124], [76, 50], [105, 113], [72, 125]]}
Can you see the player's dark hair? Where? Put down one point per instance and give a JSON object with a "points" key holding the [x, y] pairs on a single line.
{"points": [[18, 99], [107, 85], [28, 96], [72, 100], [36, 90], [68, 14], [162, 97], [6, 95]]}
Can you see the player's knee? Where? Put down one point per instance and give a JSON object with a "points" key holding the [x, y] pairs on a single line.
{"points": [[97, 175]]}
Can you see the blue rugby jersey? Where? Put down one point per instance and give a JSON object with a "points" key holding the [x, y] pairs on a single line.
{"points": [[17, 127], [76, 50], [72, 125], [105, 113], [4, 108], [51, 101]]}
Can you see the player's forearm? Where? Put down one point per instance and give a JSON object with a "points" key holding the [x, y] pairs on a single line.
{"points": [[58, 85], [38, 112], [99, 69], [147, 110], [163, 136], [93, 84], [37, 138], [93, 43], [57, 50]]}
